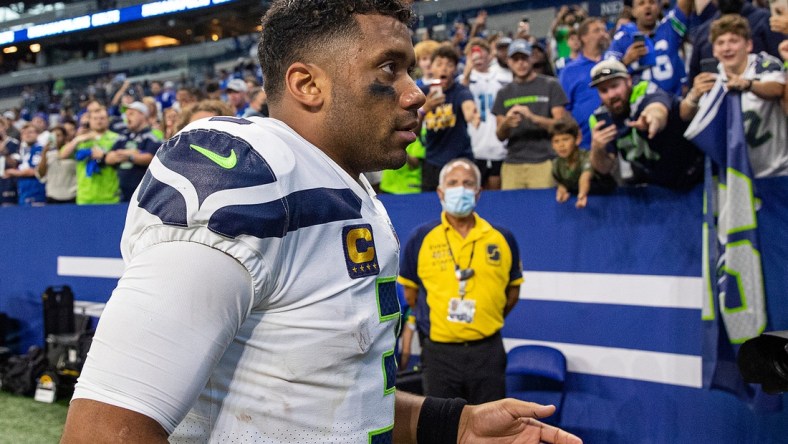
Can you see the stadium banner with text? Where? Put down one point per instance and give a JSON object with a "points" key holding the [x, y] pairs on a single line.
{"points": [[616, 287]]}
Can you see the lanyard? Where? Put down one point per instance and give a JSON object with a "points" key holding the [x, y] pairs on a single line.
{"points": [[463, 274]]}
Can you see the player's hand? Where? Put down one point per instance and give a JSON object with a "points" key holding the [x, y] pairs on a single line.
{"points": [[601, 135], [702, 84], [635, 51], [582, 201], [779, 22], [561, 194], [510, 421]]}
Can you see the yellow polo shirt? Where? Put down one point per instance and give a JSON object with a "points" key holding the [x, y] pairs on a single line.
{"points": [[428, 263]]}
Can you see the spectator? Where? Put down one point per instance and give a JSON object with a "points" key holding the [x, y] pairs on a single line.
{"points": [[577, 75], [154, 116], [169, 122], [41, 121], [30, 191], [236, 96], [184, 97], [9, 151], [761, 80], [540, 61], [638, 128], [484, 84], [574, 45], [58, 175], [134, 151], [446, 114], [468, 299], [524, 111], [572, 169], [566, 20], [778, 23], [168, 95], [213, 91], [97, 182], [424, 51], [762, 36], [257, 103], [201, 110], [652, 49], [501, 54], [407, 178]]}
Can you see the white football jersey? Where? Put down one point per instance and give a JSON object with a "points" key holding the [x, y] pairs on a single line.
{"points": [[484, 87], [765, 123], [311, 358]]}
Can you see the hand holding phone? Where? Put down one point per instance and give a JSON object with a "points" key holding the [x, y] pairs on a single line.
{"points": [[603, 116], [709, 65], [436, 90]]}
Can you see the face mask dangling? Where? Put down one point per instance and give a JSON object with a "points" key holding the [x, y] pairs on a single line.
{"points": [[458, 201]]}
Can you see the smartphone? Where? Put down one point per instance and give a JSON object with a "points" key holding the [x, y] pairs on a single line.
{"points": [[435, 86], [782, 5], [709, 65], [603, 115], [638, 37]]}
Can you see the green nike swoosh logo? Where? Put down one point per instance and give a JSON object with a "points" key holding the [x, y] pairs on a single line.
{"points": [[227, 162]]}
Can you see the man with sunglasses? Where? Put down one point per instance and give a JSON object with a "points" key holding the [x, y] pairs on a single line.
{"points": [[469, 274], [637, 133]]}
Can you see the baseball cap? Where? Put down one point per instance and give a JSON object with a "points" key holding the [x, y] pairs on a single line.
{"points": [[9, 115], [138, 106], [504, 41], [169, 84], [606, 70], [236, 85], [520, 46]]}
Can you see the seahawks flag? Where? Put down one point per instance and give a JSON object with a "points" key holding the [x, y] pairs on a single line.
{"points": [[734, 303]]}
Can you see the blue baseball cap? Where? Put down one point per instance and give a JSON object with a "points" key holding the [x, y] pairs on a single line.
{"points": [[520, 46]]}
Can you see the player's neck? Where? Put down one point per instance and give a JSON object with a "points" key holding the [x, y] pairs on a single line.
{"points": [[463, 225]]}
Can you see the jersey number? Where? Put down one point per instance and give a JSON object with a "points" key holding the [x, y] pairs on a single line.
{"points": [[388, 311], [752, 122], [663, 70]]}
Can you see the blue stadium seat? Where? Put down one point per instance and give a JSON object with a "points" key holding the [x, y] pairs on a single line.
{"points": [[537, 373]]}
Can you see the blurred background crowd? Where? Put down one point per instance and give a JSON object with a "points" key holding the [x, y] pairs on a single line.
{"points": [[522, 88]]}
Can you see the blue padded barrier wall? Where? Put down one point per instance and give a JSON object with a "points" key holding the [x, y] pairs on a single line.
{"points": [[616, 286]]}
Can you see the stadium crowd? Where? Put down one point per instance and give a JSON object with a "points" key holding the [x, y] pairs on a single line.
{"points": [[594, 105]]}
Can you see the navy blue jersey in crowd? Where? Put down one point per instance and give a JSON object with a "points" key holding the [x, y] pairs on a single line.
{"points": [[668, 159], [664, 65], [129, 174], [447, 131]]}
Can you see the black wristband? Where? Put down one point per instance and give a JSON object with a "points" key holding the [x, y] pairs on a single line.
{"points": [[439, 420]]}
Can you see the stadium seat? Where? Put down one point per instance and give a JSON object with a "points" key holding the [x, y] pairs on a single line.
{"points": [[537, 373]]}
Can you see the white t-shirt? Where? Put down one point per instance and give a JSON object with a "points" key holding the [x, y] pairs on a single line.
{"points": [[765, 123], [484, 87], [258, 296]]}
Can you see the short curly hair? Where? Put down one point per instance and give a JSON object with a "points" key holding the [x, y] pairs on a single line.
{"points": [[298, 30]]}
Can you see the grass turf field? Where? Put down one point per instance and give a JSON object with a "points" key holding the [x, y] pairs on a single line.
{"points": [[25, 421]]}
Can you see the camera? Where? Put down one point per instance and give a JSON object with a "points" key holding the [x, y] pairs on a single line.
{"points": [[764, 360]]}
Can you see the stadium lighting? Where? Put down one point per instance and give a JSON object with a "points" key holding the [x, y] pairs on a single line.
{"points": [[35, 47], [9, 50]]}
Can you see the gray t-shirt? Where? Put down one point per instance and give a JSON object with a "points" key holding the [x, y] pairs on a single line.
{"points": [[529, 143]]}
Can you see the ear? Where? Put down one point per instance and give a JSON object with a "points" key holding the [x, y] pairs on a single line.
{"points": [[749, 46], [439, 190], [579, 138], [307, 84]]}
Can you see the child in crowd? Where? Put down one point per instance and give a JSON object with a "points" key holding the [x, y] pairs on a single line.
{"points": [[572, 169]]}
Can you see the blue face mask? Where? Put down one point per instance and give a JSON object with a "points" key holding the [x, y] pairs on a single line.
{"points": [[459, 201]]}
